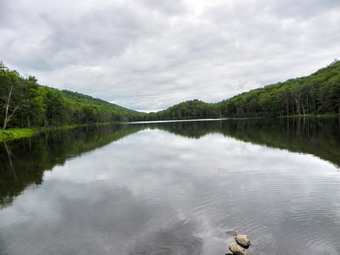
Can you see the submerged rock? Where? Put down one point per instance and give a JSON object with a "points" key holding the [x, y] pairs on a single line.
{"points": [[231, 232], [243, 240], [236, 249]]}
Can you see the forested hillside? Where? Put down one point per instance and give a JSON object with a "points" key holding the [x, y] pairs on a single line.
{"points": [[25, 103], [318, 93], [193, 109]]}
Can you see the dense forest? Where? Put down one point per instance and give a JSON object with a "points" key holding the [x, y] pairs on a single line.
{"points": [[25, 103], [318, 93], [194, 109]]}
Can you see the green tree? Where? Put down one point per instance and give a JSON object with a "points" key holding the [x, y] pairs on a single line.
{"points": [[11, 97]]}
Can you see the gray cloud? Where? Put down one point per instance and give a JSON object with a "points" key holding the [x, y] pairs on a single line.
{"points": [[304, 9], [169, 7], [3, 10], [148, 54]]}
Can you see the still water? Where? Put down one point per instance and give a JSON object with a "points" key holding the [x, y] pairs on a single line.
{"points": [[173, 188]]}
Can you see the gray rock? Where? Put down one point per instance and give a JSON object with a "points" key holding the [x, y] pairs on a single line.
{"points": [[229, 253], [231, 232], [243, 240], [236, 249]]}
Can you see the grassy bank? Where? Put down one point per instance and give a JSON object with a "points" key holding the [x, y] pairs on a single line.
{"points": [[17, 133], [11, 134]]}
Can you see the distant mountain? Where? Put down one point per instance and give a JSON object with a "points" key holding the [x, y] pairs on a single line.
{"points": [[193, 109]]}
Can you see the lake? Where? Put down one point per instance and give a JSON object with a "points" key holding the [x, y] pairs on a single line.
{"points": [[173, 188]]}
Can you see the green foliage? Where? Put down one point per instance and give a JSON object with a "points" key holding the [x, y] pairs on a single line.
{"points": [[193, 109], [25, 103], [11, 134], [318, 93]]}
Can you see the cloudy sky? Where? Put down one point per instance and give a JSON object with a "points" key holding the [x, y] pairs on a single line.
{"points": [[150, 54]]}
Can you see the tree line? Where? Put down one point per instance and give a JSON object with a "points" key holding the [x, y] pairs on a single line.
{"points": [[193, 109], [318, 93], [25, 103]]}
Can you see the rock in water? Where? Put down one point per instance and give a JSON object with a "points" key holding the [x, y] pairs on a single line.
{"points": [[232, 233], [236, 249], [229, 253], [243, 240]]}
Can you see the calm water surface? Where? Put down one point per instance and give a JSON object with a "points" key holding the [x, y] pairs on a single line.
{"points": [[173, 188]]}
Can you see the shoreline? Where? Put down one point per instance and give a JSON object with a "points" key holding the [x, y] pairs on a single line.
{"points": [[18, 133], [326, 115]]}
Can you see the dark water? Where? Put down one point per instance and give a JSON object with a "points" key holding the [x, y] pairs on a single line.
{"points": [[173, 188]]}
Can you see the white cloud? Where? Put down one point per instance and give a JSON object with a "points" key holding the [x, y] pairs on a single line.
{"points": [[151, 54]]}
